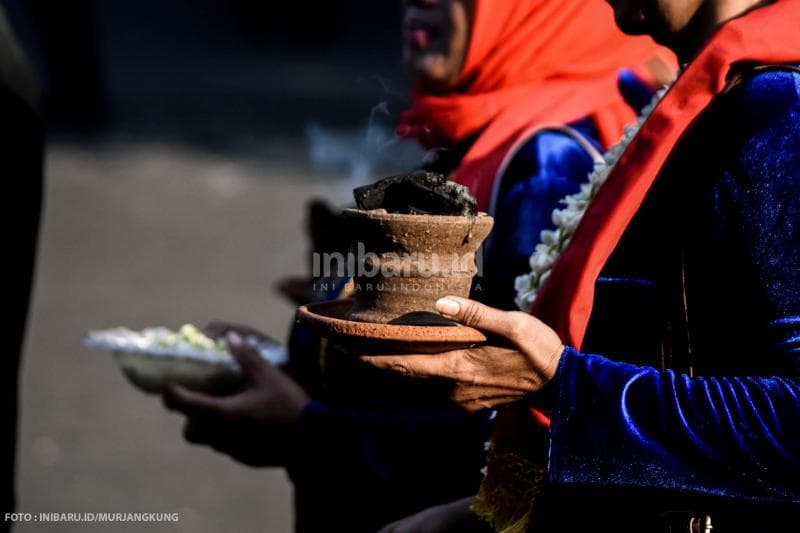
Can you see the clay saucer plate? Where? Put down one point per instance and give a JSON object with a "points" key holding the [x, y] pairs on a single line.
{"points": [[328, 318]]}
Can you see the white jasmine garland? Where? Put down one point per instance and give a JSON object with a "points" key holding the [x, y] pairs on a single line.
{"points": [[566, 220]]}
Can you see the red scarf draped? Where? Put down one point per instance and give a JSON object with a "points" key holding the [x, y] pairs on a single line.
{"points": [[531, 63], [768, 35]]}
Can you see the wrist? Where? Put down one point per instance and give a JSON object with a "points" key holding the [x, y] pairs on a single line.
{"points": [[548, 352]]}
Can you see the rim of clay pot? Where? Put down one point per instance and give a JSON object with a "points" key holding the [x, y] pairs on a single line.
{"points": [[329, 318], [381, 214]]}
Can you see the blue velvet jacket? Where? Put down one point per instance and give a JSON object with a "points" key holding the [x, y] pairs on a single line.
{"points": [[397, 462], [697, 316]]}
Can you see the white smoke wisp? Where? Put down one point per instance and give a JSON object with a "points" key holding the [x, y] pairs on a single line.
{"points": [[360, 155], [387, 88]]}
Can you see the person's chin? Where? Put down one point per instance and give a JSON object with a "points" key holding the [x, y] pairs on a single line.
{"points": [[426, 68]]}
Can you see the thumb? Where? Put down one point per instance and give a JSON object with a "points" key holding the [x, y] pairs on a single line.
{"points": [[248, 357], [476, 315]]}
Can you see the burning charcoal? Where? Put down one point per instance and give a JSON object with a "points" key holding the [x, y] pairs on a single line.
{"points": [[419, 192]]}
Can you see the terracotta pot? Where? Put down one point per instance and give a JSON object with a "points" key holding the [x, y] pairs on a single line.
{"points": [[404, 263]]}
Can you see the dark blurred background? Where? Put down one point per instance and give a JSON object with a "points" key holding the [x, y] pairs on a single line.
{"points": [[224, 73], [184, 141]]}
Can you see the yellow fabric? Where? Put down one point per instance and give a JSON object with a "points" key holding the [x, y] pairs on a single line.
{"points": [[507, 493]]}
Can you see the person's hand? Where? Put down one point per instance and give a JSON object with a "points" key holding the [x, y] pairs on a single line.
{"points": [[455, 516], [219, 329], [521, 361], [256, 425]]}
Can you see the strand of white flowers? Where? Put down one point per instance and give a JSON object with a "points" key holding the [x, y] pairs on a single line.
{"points": [[553, 242]]}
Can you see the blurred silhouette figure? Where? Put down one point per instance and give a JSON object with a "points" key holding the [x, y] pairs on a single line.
{"points": [[66, 33], [21, 148]]}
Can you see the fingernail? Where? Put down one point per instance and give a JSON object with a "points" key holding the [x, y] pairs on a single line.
{"points": [[234, 338], [446, 306]]}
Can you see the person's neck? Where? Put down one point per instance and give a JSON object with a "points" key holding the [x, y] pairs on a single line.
{"points": [[708, 19]]}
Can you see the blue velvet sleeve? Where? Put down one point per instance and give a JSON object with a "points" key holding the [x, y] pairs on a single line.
{"points": [[617, 424], [737, 437]]}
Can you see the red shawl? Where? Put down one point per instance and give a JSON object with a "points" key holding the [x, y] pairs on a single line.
{"points": [[767, 35], [531, 63]]}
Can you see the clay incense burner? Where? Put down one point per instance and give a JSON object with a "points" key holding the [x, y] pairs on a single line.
{"points": [[405, 262]]}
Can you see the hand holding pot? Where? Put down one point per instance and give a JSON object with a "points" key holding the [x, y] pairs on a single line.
{"points": [[522, 359]]}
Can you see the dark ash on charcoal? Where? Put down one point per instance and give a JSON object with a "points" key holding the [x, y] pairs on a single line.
{"points": [[417, 193]]}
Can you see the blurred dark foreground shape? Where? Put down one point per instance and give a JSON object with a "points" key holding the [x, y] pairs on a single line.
{"points": [[21, 147]]}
